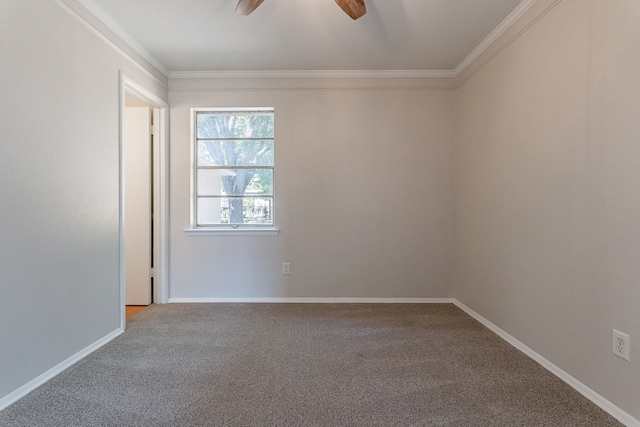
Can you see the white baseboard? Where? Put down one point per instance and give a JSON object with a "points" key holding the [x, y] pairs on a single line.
{"points": [[603, 403], [41, 379], [317, 300]]}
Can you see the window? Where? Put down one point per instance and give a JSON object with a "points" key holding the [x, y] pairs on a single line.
{"points": [[233, 168]]}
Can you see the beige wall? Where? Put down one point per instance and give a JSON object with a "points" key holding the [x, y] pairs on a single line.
{"points": [[59, 188], [546, 189], [364, 194], [547, 196]]}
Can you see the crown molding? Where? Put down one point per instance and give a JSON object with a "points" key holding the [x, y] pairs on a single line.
{"points": [[275, 74], [111, 23], [488, 41], [518, 26], [497, 32], [206, 82], [85, 17]]}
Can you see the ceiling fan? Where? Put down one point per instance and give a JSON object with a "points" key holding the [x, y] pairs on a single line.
{"points": [[354, 8]]}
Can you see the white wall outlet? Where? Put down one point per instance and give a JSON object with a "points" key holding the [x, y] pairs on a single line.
{"points": [[286, 268], [621, 345]]}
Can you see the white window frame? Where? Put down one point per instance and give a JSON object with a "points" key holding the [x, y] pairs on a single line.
{"points": [[223, 229]]}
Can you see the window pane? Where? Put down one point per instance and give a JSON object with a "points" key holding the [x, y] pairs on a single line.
{"points": [[235, 210], [234, 167], [210, 181], [209, 211], [235, 182], [235, 153], [234, 125]]}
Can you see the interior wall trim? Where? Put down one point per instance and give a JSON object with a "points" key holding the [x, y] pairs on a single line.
{"points": [[161, 198], [325, 74], [126, 38], [202, 85], [120, 46], [46, 376], [526, 18], [596, 398], [497, 32], [603, 403], [114, 26], [317, 300]]}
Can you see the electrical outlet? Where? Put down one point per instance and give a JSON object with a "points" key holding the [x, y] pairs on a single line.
{"points": [[286, 268], [621, 345]]}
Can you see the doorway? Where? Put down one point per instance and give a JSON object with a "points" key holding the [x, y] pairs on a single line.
{"points": [[143, 197], [137, 159]]}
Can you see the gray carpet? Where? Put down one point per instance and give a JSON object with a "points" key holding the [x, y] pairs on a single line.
{"points": [[305, 365]]}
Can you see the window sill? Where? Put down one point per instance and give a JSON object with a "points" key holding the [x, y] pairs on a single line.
{"points": [[232, 231]]}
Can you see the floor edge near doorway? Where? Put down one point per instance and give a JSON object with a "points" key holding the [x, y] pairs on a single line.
{"points": [[46, 376]]}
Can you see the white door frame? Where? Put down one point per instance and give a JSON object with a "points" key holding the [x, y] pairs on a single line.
{"points": [[160, 192]]}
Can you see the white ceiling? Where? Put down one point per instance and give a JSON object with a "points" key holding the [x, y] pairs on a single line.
{"points": [[305, 35]]}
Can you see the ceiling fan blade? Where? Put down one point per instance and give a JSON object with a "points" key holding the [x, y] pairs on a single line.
{"points": [[354, 8], [245, 7]]}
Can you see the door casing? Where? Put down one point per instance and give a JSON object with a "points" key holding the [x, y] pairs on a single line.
{"points": [[160, 192]]}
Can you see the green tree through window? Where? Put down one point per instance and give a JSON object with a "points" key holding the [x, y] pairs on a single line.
{"points": [[234, 167]]}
